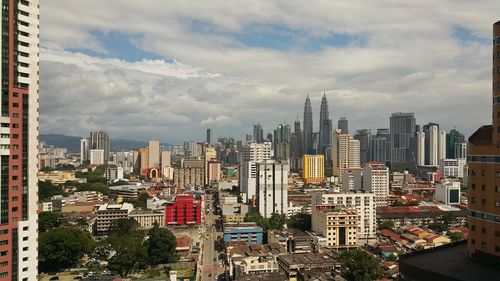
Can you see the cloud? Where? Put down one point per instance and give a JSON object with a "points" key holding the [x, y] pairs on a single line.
{"points": [[232, 64]]}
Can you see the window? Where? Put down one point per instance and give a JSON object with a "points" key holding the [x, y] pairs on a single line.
{"points": [[3, 253], [4, 274], [473, 186], [2, 264], [16, 105], [473, 241], [15, 156], [483, 244], [483, 201], [497, 174], [4, 242], [473, 200], [497, 188], [473, 227], [483, 173], [497, 204], [25, 228], [483, 187], [483, 230], [3, 232]]}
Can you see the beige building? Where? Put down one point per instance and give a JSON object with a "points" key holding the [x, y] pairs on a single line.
{"points": [[147, 218], [214, 171], [209, 154], [154, 154], [57, 177], [339, 225], [354, 154], [108, 213], [188, 177], [165, 159], [144, 156], [376, 181], [313, 168]]}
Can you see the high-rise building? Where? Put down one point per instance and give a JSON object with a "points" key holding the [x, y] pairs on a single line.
{"points": [[325, 126], [376, 181], [209, 136], [452, 138], [18, 151], [431, 131], [297, 151], [461, 150], [84, 150], [282, 142], [441, 145], [100, 140], [380, 148], [354, 156], [338, 224], [364, 137], [258, 133], [272, 188], [402, 129], [97, 157], [343, 125], [484, 176], [256, 152], [313, 168], [307, 139], [251, 154], [144, 161], [154, 154], [342, 155], [209, 154], [420, 148]]}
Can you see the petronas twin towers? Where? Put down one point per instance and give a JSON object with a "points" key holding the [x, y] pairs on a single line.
{"points": [[314, 143]]}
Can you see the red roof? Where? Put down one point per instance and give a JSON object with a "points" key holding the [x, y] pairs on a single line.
{"points": [[183, 241]]}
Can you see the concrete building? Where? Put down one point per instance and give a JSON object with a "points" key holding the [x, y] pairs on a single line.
{"points": [[108, 213], [209, 136], [343, 125], [313, 168], [376, 181], [251, 154], [380, 146], [307, 139], [325, 126], [247, 231], [256, 152], [209, 154], [402, 129], [365, 208], [148, 218], [185, 209], [441, 145], [272, 188], [352, 179], [364, 137], [97, 157], [113, 173], [431, 131], [484, 176], [452, 168], [293, 264], [84, 150], [338, 224], [258, 133], [354, 156], [100, 141], [144, 161], [420, 149], [153, 154], [165, 159], [214, 171], [448, 192]]}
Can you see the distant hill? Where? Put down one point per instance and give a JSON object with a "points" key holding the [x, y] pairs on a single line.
{"points": [[72, 143]]}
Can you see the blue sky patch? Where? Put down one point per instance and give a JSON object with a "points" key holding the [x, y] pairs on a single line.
{"points": [[463, 34]]}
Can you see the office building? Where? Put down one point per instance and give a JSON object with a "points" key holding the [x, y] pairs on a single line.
{"points": [[109, 213], [354, 154], [97, 157], [213, 171], [19, 142], [484, 176], [146, 219], [364, 203], [364, 137], [209, 136], [431, 132], [461, 150], [341, 153], [144, 161], [153, 154], [209, 154], [84, 150], [248, 232], [453, 138], [441, 145], [376, 181], [282, 142], [256, 152], [352, 179], [325, 126], [452, 168], [313, 168], [296, 141], [272, 188], [113, 173], [307, 139], [448, 192], [251, 154], [258, 133], [343, 125], [100, 141], [165, 160], [338, 224], [184, 210], [420, 148], [402, 130]]}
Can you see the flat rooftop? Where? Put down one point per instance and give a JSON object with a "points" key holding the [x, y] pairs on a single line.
{"points": [[308, 258], [447, 263]]}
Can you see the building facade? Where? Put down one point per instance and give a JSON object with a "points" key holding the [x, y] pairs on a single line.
{"points": [[100, 140], [339, 225], [109, 213], [402, 129], [313, 168], [185, 209], [376, 181], [272, 188]]}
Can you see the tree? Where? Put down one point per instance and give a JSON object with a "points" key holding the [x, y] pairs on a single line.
{"points": [[357, 265], [160, 246], [456, 236], [386, 225], [123, 227], [300, 221], [130, 251], [142, 200], [276, 221], [62, 247], [99, 187], [47, 189], [49, 220], [257, 218], [438, 227]]}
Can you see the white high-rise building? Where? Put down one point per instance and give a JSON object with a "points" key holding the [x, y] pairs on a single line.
{"points": [[256, 152], [433, 145], [365, 208], [84, 150], [376, 181], [452, 168], [354, 157], [19, 143], [442, 145], [97, 157], [272, 188], [420, 149], [251, 154]]}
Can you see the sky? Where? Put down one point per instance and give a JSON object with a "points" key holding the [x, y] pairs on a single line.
{"points": [[169, 70]]}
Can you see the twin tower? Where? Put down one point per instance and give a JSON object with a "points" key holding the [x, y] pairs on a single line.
{"points": [[316, 143]]}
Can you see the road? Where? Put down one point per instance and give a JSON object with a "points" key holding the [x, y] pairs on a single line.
{"points": [[210, 257]]}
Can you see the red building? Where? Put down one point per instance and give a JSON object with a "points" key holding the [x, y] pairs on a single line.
{"points": [[184, 210]]}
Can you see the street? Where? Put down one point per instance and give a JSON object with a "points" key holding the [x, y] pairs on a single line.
{"points": [[210, 257]]}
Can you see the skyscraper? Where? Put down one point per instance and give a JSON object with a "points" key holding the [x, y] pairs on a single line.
{"points": [[484, 176], [402, 126], [18, 152], [258, 133], [84, 150], [209, 136], [453, 138], [282, 142], [364, 137], [297, 149], [343, 125], [420, 148], [307, 140], [431, 132], [325, 126], [154, 154], [100, 140], [380, 148]]}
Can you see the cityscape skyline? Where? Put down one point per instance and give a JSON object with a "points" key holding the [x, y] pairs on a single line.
{"points": [[177, 85]]}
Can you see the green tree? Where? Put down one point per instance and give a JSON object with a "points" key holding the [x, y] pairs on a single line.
{"points": [[386, 225], [438, 227], [276, 221], [123, 227], [62, 247], [160, 246], [257, 218], [99, 187], [130, 251], [47, 189], [49, 220], [357, 265], [456, 236], [300, 221]]}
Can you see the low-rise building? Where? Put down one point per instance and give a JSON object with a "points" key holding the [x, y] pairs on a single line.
{"points": [[339, 225], [185, 209], [421, 215], [108, 213], [247, 231], [113, 173], [254, 260], [293, 240], [291, 264], [147, 218], [448, 192]]}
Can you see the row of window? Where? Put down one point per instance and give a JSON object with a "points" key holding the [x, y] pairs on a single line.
{"points": [[483, 245]]}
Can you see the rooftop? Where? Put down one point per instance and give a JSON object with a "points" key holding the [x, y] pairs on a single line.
{"points": [[308, 258], [445, 263], [274, 276], [257, 250]]}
